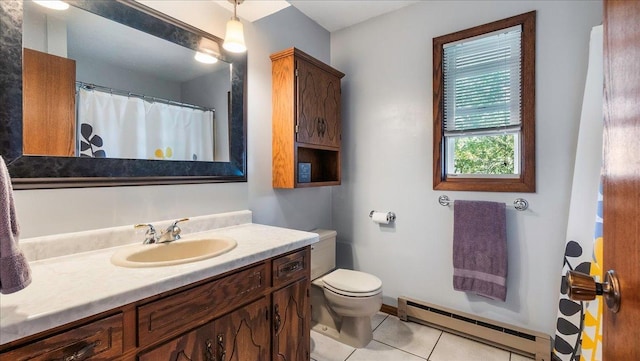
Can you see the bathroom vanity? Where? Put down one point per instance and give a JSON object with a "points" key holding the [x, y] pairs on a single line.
{"points": [[251, 303]]}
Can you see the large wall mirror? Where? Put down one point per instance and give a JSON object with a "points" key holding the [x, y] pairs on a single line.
{"points": [[114, 93]]}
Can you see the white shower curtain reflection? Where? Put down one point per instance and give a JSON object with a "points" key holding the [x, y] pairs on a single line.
{"points": [[178, 133], [111, 126], [116, 126]]}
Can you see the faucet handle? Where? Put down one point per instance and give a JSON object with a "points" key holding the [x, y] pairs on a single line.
{"points": [[150, 234], [175, 223], [173, 230]]}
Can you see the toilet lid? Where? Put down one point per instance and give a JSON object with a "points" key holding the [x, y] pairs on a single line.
{"points": [[352, 282]]}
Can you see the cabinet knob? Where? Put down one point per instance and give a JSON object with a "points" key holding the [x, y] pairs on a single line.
{"points": [[209, 350], [321, 126], [290, 267], [83, 353], [276, 319], [223, 352]]}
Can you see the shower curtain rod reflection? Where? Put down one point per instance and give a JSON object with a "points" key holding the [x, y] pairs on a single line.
{"points": [[520, 204], [152, 99]]}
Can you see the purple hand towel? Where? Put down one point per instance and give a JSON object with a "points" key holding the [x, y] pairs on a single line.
{"points": [[480, 248], [15, 273]]}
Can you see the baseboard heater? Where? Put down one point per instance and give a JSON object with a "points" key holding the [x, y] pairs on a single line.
{"points": [[512, 338]]}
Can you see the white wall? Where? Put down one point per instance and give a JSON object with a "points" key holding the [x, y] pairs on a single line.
{"points": [[43, 212], [97, 71], [43, 32], [387, 140], [212, 90]]}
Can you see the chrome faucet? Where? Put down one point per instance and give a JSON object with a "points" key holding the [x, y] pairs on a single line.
{"points": [[150, 235], [172, 233]]}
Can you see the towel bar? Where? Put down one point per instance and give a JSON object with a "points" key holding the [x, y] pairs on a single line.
{"points": [[520, 204]]}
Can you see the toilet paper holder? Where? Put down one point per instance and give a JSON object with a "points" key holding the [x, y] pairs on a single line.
{"points": [[390, 216]]}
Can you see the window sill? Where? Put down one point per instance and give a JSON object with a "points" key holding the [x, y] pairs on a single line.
{"points": [[485, 184]]}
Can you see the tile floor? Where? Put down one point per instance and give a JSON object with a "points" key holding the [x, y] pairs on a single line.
{"points": [[394, 340]]}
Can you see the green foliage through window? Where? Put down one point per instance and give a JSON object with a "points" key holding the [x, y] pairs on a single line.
{"points": [[493, 154]]}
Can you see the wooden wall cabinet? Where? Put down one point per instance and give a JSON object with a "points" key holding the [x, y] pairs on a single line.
{"points": [[306, 120], [260, 312]]}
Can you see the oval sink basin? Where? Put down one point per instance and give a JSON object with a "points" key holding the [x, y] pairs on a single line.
{"points": [[167, 254]]}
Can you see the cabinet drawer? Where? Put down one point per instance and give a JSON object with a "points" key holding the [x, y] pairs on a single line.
{"points": [[99, 340], [176, 313], [291, 267]]}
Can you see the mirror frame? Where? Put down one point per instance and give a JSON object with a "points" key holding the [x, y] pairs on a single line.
{"points": [[33, 172]]}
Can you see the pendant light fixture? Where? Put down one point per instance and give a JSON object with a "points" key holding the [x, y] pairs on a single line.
{"points": [[205, 58], [208, 51], [234, 37]]}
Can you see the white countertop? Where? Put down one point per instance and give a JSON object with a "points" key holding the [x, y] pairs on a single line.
{"points": [[68, 288]]}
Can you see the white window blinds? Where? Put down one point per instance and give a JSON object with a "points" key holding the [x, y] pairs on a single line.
{"points": [[482, 83]]}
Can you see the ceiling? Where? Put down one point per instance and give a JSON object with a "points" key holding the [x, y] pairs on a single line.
{"points": [[338, 14], [330, 14]]}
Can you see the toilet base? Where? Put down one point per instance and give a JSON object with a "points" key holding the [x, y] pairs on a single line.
{"points": [[355, 331]]}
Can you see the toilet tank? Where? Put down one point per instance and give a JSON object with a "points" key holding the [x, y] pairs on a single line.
{"points": [[323, 253]]}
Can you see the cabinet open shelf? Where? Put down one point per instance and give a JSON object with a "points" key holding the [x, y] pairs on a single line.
{"points": [[325, 166]]}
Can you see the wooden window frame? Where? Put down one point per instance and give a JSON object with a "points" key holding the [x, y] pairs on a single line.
{"points": [[526, 182]]}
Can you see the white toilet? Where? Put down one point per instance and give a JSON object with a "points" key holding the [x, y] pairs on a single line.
{"points": [[342, 301]]}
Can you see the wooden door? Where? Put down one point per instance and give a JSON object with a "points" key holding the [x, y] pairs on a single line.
{"points": [[243, 335], [318, 110], [291, 322], [198, 345], [622, 174], [49, 111]]}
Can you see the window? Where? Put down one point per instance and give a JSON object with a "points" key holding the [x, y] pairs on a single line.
{"points": [[484, 99]]}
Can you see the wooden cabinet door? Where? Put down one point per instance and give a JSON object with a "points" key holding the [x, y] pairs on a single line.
{"points": [[318, 110], [49, 111], [291, 322], [243, 335], [197, 345]]}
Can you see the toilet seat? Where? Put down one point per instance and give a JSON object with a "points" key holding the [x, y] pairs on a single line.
{"points": [[352, 283]]}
